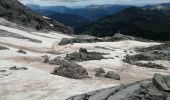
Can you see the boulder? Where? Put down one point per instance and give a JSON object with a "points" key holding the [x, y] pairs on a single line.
{"points": [[112, 75], [99, 74], [21, 51], [70, 70], [84, 55], [99, 70]]}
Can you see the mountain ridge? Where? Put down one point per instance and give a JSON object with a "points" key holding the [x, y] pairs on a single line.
{"points": [[14, 11], [149, 24]]}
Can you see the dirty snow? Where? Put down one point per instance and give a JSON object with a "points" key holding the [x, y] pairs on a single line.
{"points": [[37, 83]]}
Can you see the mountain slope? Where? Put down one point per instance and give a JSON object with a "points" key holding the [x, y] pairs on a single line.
{"points": [[14, 11], [72, 20], [91, 12], [132, 21], [164, 7]]}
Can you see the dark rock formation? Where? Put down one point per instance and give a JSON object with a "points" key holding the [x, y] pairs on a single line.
{"points": [[71, 70], [151, 65], [84, 55], [150, 89], [91, 39], [17, 68], [3, 48], [67, 69], [153, 53], [1, 71], [99, 70], [112, 75], [80, 39], [14, 11], [22, 51], [46, 59]]}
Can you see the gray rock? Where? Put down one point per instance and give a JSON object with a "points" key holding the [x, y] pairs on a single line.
{"points": [[17, 68], [141, 90], [84, 55], [69, 69], [112, 75], [1, 71], [99, 74], [22, 51], [45, 59], [99, 70], [14, 11], [3, 48], [162, 82]]}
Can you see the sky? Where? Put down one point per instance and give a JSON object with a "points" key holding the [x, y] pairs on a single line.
{"points": [[88, 2]]}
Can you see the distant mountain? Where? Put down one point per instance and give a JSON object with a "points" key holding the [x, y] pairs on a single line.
{"points": [[94, 12], [14, 11], [150, 24], [164, 7], [91, 12], [73, 20]]}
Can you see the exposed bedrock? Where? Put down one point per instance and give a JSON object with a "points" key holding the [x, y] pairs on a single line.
{"points": [[67, 69], [91, 39], [84, 55], [157, 88], [150, 54]]}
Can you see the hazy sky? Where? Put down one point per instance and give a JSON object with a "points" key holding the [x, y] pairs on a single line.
{"points": [[88, 2]]}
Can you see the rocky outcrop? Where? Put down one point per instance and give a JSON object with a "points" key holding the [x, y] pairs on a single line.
{"points": [[149, 54], [80, 39], [22, 51], [84, 55], [66, 68], [110, 74], [14, 11], [91, 39], [17, 68], [71, 70], [3, 48], [150, 89]]}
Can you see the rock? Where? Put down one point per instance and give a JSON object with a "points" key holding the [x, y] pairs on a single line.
{"points": [[162, 82], [150, 65], [84, 55], [99, 70], [112, 75], [2, 71], [79, 39], [17, 68], [3, 48], [141, 90], [99, 74], [69, 69], [46, 59], [83, 50], [21, 51], [16, 12]]}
